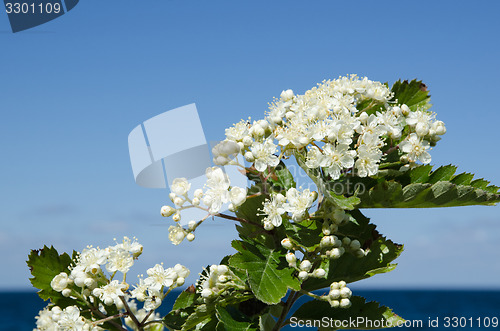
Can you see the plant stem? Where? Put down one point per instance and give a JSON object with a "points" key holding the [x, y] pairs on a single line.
{"points": [[288, 304], [132, 316]]}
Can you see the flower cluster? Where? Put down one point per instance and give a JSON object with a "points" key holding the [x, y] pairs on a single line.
{"points": [[216, 279], [86, 281], [345, 125]]}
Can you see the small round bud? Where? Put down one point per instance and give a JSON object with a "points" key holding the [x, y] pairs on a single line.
{"points": [[335, 253], [195, 202], [249, 157], [305, 265], [345, 292], [167, 211], [192, 225], [172, 196], [223, 278], [338, 215], [360, 253], [291, 259], [286, 243], [66, 292], [198, 193], [334, 294], [177, 217], [334, 303], [334, 285], [180, 281], [422, 129], [355, 245], [326, 241], [405, 110], [303, 275], [342, 284], [222, 268], [319, 273], [190, 236], [268, 226], [345, 303], [346, 241], [207, 293], [326, 229], [286, 95], [247, 141], [178, 201]]}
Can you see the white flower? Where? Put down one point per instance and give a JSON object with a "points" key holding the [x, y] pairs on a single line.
{"points": [[153, 299], [298, 203], [70, 319], [176, 234], [139, 291], [217, 193], [159, 277], [47, 319], [274, 208], [133, 247], [416, 149], [264, 155], [91, 259], [60, 282], [337, 158], [367, 162], [110, 293], [180, 186], [237, 196], [421, 121], [238, 132], [119, 260]]}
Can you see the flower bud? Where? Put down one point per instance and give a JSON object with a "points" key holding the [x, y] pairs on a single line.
{"points": [[249, 157], [247, 141], [172, 196], [326, 229], [305, 265], [192, 225], [346, 241], [66, 292], [207, 293], [405, 110], [268, 226], [439, 128], [360, 253], [180, 281], [190, 236], [177, 217], [334, 303], [422, 129], [345, 292], [178, 201], [291, 259], [335, 253], [345, 303], [342, 284], [326, 241], [195, 202], [319, 273], [167, 211], [286, 95], [355, 245], [198, 193], [334, 294], [286, 243], [363, 116], [303, 275]]}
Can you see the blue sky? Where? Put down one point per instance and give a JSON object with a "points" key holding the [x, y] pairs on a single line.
{"points": [[72, 90]]}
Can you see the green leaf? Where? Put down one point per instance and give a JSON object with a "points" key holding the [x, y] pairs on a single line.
{"points": [[44, 265], [202, 315], [232, 319], [306, 233], [282, 179], [421, 188], [185, 299], [346, 203], [414, 94], [269, 276], [363, 314]]}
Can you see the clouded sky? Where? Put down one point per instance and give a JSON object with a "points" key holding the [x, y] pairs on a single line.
{"points": [[72, 90]]}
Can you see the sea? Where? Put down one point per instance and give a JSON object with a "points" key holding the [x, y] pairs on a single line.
{"points": [[422, 309]]}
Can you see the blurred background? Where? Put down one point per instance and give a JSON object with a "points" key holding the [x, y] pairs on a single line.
{"points": [[72, 89]]}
